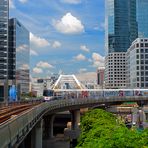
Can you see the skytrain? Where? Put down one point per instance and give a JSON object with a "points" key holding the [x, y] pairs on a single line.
{"points": [[91, 93]]}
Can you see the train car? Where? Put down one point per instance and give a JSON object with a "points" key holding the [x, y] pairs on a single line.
{"points": [[48, 94], [92, 93], [140, 92]]}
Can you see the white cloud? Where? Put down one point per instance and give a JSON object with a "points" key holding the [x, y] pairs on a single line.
{"points": [[71, 1], [56, 44], [80, 57], [82, 70], [69, 25], [37, 70], [23, 1], [33, 52], [98, 60], [22, 47], [11, 4], [42, 64], [37, 41], [84, 48]]}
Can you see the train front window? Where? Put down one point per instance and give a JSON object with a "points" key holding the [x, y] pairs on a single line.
{"points": [[48, 93]]}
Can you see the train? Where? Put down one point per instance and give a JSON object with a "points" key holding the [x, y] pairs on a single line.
{"points": [[49, 94]]}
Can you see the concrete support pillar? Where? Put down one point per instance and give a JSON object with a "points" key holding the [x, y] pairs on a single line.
{"points": [[75, 120], [48, 123], [51, 126], [38, 134], [134, 116]]}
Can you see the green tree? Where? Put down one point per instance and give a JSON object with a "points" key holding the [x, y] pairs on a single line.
{"points": [[101, 129]]}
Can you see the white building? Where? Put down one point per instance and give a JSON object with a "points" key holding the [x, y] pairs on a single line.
{"points": [[115, 70], [137, 64]]}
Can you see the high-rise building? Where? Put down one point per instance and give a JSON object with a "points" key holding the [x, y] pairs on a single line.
{"points": [[100, 76], [121, 24], [115, 70], [121, 30], [4, 13], [19, 52], [137, 64], [142, 18]]}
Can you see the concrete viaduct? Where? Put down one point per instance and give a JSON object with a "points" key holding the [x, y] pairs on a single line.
{"points": [[26, 130]]}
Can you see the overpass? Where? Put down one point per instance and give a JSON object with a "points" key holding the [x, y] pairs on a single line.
{"points": [[15, 130]]}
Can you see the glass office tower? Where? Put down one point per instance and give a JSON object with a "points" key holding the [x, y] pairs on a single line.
{"points": [[19, 50], [120, 31], [3, 46], [121, 25], [142, 18]]}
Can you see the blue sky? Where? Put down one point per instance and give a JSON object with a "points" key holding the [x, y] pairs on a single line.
{"points": [[65, 35]]}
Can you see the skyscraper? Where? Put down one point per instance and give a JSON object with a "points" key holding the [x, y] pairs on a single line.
{"points": [[121, 25], [121, 29], [142, 18], [4, 13], [137, 55], [19, 51]]}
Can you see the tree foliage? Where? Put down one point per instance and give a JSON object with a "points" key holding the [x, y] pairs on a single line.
{"points": [[101, 129]]}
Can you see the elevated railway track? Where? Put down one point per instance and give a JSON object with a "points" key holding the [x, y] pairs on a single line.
{"points": [[9, 111]]}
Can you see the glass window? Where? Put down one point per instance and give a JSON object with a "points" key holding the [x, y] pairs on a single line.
{"points": [[137, 45], [142, 50], [142, 67], [137, 61], [137, 50], [141, 45], [142, 56], [146, 61], [146, 56], [146, 44], [137, 56], [142, 84], [137, 67], [146, 73], [146, 50], [137, 84], [142, 73], [142, 78], [142, 62]]}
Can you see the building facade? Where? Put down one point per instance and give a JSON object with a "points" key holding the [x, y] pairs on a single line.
{"points": [[137, 64], [121, 25], [19, 50], [142, 19], [115, 70], [121, 30], [4, 14], [100, 76]]}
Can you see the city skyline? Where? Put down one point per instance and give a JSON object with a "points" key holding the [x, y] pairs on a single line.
{"points": [[56, 47]]}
